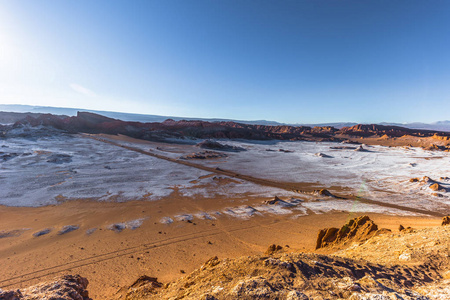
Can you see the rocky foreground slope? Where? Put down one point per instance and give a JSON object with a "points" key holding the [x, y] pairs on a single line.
{"points": [[375, 264], [66, 287]]}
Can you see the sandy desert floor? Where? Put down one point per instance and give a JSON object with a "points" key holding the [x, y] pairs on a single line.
{"points": [[112, 259]]}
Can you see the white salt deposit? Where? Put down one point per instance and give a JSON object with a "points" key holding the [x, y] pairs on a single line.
{"points": [[117, 227], [42, 232], [54, 169], [132, 224], [241, 212], [166, 220], [68, 228], [275, 209], [96, 171], [184, 217], [91, 231], [205, 216]]}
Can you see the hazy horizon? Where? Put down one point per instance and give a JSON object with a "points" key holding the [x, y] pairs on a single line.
{"points": [[290, 62]]}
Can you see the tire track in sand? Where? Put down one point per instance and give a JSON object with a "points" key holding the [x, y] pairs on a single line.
{"points": [[95, 259]]}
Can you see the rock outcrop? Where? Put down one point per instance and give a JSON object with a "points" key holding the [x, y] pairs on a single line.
{"points": [[67, 287], [209, 144], [357, 229]]}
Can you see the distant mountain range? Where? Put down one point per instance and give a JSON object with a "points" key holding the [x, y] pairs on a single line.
{"points": [[438, 126]]}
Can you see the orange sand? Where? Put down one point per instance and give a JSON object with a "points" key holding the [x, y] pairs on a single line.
{"points": [[111, 260]]}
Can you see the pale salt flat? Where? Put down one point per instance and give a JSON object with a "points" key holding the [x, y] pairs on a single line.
{"points": [[380, 173], [60, 168], [53, 169]]}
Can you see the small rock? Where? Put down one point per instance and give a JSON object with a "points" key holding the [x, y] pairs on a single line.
{"points": [[436, 187]]}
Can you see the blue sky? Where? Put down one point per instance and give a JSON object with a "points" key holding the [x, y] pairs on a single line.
{"points": [[289, 61]]}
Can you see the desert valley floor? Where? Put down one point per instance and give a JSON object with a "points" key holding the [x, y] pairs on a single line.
{"points": [[112, 208]]}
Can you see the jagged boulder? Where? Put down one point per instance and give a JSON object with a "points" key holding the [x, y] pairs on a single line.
{"points": [[357, 229], [67, 287], [446, 220]]}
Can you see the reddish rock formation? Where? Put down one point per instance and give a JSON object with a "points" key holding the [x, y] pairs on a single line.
{"points": [[366, 130], [93, 123], [357, 229], [446, 220]]}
